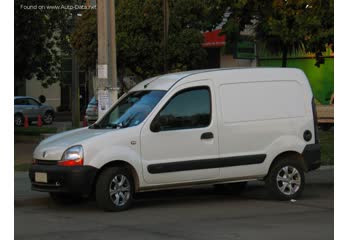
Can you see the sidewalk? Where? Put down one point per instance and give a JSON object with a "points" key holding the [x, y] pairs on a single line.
{"points": [[23, 152]]}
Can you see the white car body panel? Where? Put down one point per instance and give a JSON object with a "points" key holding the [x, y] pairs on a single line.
{"points": [[268, 117], [182, 145]]}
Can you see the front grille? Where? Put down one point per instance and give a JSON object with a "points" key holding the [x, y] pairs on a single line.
{"points": [[46, 162]]}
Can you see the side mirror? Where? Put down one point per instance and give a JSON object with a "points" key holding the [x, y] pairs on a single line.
{"points": [[155, 125]]}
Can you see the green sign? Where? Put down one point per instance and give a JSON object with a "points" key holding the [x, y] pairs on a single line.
{"points": [[244, 50]]}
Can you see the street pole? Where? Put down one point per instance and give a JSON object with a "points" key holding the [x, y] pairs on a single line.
{"points": [[75, 93], [102, 56], [166, 31], [112, 59], [106, 60]]}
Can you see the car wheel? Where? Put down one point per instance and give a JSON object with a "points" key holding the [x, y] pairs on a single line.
{"points": [[19, 120], [286, 179], [48, 118], [115, 189]]}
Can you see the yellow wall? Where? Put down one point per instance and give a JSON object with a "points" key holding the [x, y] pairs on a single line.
{"points": [[52, 93], [229, 61]]}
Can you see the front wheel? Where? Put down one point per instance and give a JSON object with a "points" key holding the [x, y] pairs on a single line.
{"points": [[115, 189], [286, 179], [48, 118], [18, 120]]}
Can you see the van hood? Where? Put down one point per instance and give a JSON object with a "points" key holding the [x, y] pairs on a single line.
{"points": [[53, 147]]}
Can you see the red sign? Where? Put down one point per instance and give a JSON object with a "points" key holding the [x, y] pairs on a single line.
{"points": [[212, 39]]}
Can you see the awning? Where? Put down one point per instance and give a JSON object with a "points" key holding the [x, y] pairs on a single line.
{"points": [[212, 39]]}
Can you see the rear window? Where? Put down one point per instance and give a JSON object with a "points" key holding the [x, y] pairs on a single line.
{"points": [[254, 101], [21, 101], [93, 101]]}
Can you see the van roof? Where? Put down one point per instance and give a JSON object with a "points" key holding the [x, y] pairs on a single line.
{"points": [[166, 81]]}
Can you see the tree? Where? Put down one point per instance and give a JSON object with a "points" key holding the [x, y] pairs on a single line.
{"points": [[284, 26], [40, 40], [139, 36], [84, 39]]}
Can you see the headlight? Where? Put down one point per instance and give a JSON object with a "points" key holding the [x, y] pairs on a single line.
{"points": [[73, 156]]}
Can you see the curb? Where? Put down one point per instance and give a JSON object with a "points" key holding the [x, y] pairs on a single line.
{"points": [[326, 167]]}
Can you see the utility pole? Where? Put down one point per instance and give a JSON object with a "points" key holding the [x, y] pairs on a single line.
{"points": [[75, 91], [166, 31], [106, 59], [112, 59], [102, 56]]}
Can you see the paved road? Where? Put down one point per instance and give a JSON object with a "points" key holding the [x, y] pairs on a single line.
{"points": [[199, 213]]}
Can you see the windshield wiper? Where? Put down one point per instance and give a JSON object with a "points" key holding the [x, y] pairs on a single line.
{"points": [[112, 125], [95, 126], [128, 121]]}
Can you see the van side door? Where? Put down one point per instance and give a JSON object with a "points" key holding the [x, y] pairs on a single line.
{"points": [[179, 142]]}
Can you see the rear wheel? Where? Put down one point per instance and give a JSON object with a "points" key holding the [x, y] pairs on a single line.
{"points": [[19, 120], [48, 118], [286, 179], [115, 189]]}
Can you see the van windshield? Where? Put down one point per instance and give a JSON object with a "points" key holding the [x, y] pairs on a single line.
{"points": [[131, 110]]}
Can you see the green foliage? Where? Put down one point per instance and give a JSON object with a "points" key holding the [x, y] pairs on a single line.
{"points": [[323, 35], [84, 39], [139, 35], [284, 26], [40, 39], [327, 147], [34, 131]]}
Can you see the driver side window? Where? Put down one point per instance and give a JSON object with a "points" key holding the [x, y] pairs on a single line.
{"points": [[189, 108], [32, 102]]}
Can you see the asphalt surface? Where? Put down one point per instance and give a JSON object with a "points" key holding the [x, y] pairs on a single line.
{"points": [[196, 213]]}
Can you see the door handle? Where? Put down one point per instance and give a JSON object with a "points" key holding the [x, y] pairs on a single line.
{"points": [[207, 135]]}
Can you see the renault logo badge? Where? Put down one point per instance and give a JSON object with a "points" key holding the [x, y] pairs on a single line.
{"points": [[44, 154]]}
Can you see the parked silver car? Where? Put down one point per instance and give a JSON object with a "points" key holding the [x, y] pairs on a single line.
{"points": [[30, 107], [91, 113]]}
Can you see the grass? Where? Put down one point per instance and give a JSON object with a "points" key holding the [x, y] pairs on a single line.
{"points": [[34, 131], [327, 147], [22, 167]]}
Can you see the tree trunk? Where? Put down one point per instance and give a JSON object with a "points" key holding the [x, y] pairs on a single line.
{"points": [[284, 56]]}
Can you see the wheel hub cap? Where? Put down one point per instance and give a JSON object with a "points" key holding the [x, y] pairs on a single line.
{"points": [[119, 190], [288, 180]]}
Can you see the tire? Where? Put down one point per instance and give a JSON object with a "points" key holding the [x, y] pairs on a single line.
{"points": [[48, 118], [19, 120], [286, 179], [115, 189], [231, 188]]}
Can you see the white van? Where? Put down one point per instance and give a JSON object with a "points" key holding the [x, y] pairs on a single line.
{"points": [[221, 126]]}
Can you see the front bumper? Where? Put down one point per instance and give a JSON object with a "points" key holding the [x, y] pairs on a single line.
{"points": [[77, 179], [312, 156]]}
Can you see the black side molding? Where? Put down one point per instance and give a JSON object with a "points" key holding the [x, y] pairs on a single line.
{"points": [[206, 163], [312, 156]]}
